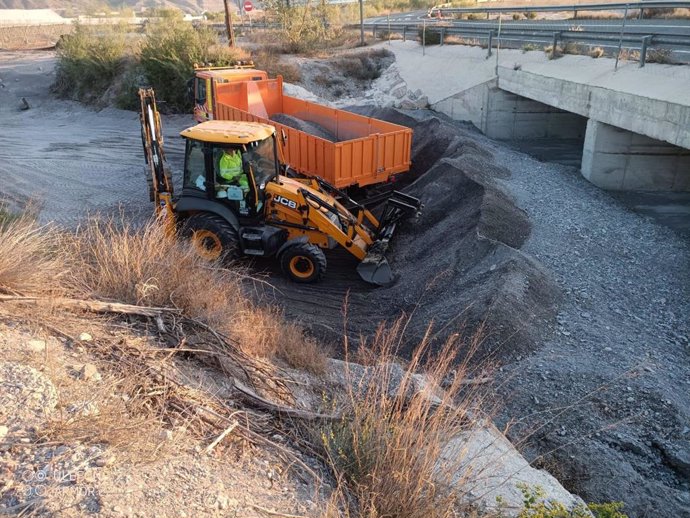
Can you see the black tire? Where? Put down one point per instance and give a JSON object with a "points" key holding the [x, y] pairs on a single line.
{"points": [[212, 236], [303, 262]]}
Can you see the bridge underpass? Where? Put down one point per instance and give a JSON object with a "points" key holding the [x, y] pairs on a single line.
{"points": [[634, 127]]}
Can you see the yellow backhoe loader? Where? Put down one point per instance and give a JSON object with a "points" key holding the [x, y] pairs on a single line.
{"points": [[238, 199]]}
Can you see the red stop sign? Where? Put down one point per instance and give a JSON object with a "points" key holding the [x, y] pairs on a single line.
{"points": [[248, 6]]}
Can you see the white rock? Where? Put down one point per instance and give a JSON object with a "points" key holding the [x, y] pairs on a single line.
{"points": [[165, 435], [498, 470], [36, 346], [85, 337], [4, 431], [89, 372]]}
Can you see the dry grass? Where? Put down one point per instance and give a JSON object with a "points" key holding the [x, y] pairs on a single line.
{"points": [[32, 37], [456, 40], [118, 412], [118, 262], [28, 263], [596, 52], [390, 450], [115, 261]]}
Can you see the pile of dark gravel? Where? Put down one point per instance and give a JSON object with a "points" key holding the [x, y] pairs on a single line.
{"points": [[303, 125], [459, 265]]}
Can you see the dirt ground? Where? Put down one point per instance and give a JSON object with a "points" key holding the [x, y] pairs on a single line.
{"points": [[164, 471], [66, 159], [585, 302]]}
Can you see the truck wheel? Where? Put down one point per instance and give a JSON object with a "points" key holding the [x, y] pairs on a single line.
{"points": [[212, 237], [303, 262]]}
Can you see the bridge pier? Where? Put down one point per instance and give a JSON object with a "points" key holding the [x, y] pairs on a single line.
{"points": [[618, 159]]}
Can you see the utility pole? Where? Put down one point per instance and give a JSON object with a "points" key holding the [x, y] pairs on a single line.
{"points": [[361, 23], [228, 24]]}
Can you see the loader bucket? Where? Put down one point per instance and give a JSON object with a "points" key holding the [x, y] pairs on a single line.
{"points": [[374, 268], [376, 271]]}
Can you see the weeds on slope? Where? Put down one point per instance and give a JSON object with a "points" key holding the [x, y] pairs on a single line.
{"points": [[392, 449], [116, 261], [29, 263], [113, 261]]}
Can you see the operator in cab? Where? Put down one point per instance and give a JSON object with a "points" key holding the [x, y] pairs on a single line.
{"points": [[231, 173]]}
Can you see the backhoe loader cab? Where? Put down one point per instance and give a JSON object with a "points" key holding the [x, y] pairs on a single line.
{"points": [[230, 164]]}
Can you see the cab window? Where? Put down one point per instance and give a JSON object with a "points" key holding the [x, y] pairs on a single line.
{"points": [[194, 166], [200, 90], [261, 158]]}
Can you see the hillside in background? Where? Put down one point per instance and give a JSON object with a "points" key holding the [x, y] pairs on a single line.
{"points": [[84, 6]]}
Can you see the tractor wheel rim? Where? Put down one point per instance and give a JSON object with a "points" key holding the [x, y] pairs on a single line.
{"points": [[207, 244], [301, 266]]}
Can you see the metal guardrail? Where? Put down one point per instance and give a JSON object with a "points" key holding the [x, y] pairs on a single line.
{"points": [[633, 6], [640, 38]]}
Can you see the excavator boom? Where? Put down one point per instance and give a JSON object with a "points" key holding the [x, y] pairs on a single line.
{"points": [[158, 178]]}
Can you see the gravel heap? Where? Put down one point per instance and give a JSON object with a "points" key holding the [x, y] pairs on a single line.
{"points": [[459, 265], [306, 126]]}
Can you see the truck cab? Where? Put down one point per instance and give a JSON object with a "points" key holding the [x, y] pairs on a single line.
{"points": [[203, 86]]}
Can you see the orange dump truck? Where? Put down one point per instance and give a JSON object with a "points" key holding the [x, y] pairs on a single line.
{"points": [[205, 79], [366, 151]]}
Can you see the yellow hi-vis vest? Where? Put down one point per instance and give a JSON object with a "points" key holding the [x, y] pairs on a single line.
{"points": [[231, 168]]}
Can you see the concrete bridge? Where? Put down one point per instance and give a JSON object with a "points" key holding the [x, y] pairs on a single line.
{"points": [[634, 122]]}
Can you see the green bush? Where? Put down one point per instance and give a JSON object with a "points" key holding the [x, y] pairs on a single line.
{"points": [[303, 28], [89, 60], [535, 505], [607, 510], [168, 55]]}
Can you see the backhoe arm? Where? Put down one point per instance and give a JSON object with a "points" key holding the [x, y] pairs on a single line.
{"points": [[152, 140]]}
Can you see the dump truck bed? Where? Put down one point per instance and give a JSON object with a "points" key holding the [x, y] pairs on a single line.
{"points": [[367, 151]]}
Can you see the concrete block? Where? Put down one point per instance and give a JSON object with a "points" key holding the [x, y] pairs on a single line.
{"points": [[649, 173], [566, 125], [607, 171], [681, 181], [499, 130]]}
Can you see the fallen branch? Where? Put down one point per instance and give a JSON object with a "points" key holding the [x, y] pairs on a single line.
{"points": [[267, 405], [95, 306], [222, 436], [275, 513]]}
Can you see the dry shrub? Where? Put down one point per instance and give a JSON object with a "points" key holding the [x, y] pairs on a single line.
{"points": [[570, 47], [629, 55], [457, 40], [364, 66], [123, 263], [602, 15], [269, 58], [29, 264], [549, 50], [596, 52], [389, 451], [662, 56], [385, 35]]}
